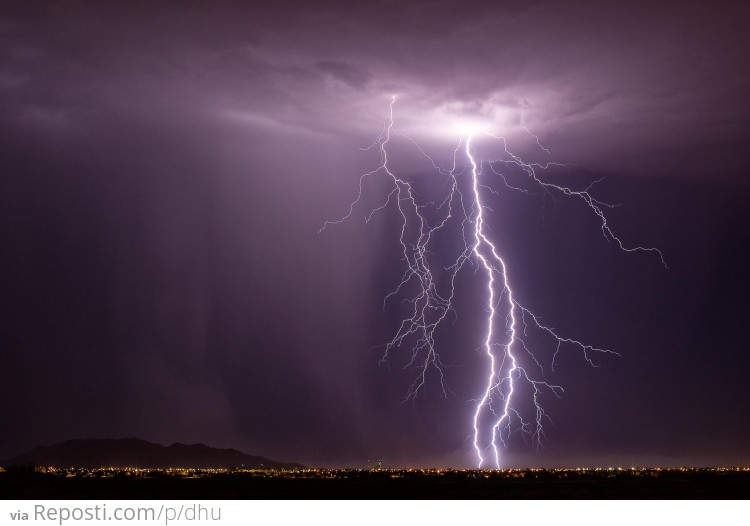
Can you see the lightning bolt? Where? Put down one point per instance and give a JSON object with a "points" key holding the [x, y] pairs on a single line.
{"points": [[512, 368]]}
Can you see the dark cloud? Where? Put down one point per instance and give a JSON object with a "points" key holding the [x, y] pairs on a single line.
{"points": [[638, 73], [346, 73]]}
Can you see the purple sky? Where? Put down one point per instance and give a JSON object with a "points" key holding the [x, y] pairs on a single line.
{"points": [[166, 170]]}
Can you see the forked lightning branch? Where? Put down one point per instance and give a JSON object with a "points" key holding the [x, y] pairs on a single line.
{"points": [[509, 396]]}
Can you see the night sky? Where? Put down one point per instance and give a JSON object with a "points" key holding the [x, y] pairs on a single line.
{"points": [[166, 169]]}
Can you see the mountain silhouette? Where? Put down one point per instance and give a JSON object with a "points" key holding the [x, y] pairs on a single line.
{"points": [[134, 452]]}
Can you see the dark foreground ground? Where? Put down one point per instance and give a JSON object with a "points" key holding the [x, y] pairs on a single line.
{"points": [[386, 484]]}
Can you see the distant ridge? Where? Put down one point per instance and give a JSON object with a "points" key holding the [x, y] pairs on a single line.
{"points": [[134, 452]]}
